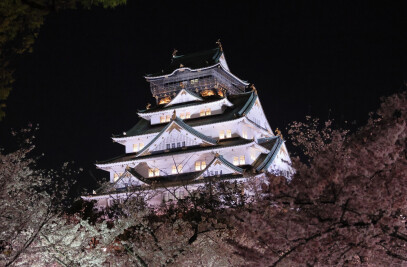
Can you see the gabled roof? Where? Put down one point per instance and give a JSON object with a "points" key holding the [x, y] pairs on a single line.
{"points": [[226, 163], [196, 60], [184, 126], [184, 178], [271, 155], [144, 127], [184, 96]]}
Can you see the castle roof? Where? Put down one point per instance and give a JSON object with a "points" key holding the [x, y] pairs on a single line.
{"points": [[237, 141], [239, 101], [196, 60]]}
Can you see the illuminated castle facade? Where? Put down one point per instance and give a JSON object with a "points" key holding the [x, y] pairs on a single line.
{"points": [[207, 124]]}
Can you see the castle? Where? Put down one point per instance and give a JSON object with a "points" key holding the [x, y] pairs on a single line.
{"points": [[207, 125]]}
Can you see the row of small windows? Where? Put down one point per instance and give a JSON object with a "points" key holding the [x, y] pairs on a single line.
{"points": [[138, 147], [205, 112], [200, 165], [193, 81], [223, 136], [175, 145], [239, 160]]}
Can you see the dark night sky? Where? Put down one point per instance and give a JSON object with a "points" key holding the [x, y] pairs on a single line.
{"points": [[84, 80]]}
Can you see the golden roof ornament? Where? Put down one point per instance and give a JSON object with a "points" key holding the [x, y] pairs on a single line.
{"points": [[174, 115], [253, 88], [220, 45], [174, 53], [278, 133], [217, 155], [181, 65], [148, 106]]}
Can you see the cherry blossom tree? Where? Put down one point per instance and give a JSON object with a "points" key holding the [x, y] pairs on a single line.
{"points": [[346, 204]]}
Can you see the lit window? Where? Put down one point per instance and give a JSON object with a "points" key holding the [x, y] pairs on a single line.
{"points": [[135, 147], [188, 115], [162, 119], [208, 111], [167, 119], [244, 134], [153, 172], [222, 134], [202, 113], [141, 146], [203, 165], [197, 166], [235, 160], [228, 133], [115, 177], [182, 115], [242, 160], [176, 169], [252, 156]]}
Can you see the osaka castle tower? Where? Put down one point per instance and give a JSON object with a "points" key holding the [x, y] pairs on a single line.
{"points": [[206, 125]]}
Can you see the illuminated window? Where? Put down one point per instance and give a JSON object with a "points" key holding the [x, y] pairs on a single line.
{"points": [[162, 119], [208, 112], [167, 119], [252, 156], [153, 172], [176, 169], [182, 115], [188, 115], [242, 160], [235, 160], [228, 133], [244, 134], [202, 113], [222, 134], [116, 177], [198, 166], [138, 147]]}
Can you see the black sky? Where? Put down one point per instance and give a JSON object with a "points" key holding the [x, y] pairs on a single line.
{"points": [[84, 80]]}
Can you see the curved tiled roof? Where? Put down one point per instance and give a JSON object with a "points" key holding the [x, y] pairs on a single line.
{"points": [[194, 61], [144, 127], [271, 155]]}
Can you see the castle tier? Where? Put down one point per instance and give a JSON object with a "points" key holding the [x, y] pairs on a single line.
{"points": [[204, 126]]}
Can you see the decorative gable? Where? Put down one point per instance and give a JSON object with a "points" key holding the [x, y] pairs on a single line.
{"points": [[220, 166], [177, 134], [184, 96]]}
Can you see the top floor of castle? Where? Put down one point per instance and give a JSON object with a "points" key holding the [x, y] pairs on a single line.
{"points": [[205, 73]]}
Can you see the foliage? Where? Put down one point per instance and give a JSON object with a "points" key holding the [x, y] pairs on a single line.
{"points": [[20, 23], [347, 206]]}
